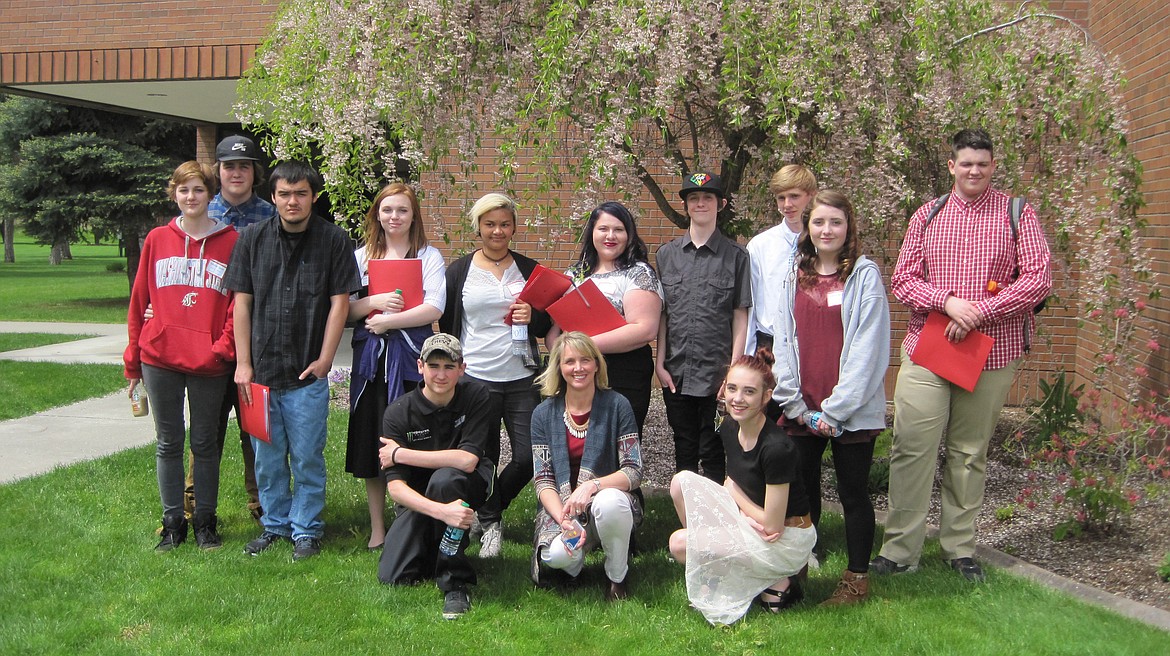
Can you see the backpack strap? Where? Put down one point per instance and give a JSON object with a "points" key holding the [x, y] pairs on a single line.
{"points": [[934, 210], [1015, 211]]}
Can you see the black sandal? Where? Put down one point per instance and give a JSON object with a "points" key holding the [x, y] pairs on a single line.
{"points": [[784, 598]]}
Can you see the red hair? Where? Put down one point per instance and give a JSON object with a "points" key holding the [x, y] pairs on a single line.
{"points": [[761, 364]]}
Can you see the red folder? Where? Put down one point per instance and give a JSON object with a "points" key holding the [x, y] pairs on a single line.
{"points": [[389, 275], [544, 287], [254, 417], [586, 309], [959, 363]]}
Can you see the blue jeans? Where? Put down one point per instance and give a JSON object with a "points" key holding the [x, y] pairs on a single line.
{"points": [[297, 426]]}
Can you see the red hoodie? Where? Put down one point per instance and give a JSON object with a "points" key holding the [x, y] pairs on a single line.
{"points": [[182, 279]]}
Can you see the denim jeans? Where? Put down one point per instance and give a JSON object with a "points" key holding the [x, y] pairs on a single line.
{"points": [[297, 426], [166, 389]]}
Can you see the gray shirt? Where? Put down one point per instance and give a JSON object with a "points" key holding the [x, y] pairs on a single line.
{"points": [[703, 286]]}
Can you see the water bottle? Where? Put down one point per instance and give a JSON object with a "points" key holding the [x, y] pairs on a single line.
{"points": [[451, 539]]}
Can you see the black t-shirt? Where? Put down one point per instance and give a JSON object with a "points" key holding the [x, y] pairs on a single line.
{"points": [[416, 423], [773, 461]]}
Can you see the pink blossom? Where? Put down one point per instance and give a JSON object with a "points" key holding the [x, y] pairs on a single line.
{"points": [[1153, 345], [1139, 305], [1108, 358], [1090, 481], [1140, 371], [1058, 499], [1121, 313], [1081, 516], [1096, 314], [1031, 505]]}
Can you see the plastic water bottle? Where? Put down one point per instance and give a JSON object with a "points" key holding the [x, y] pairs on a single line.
{"points": [[451, 539]]}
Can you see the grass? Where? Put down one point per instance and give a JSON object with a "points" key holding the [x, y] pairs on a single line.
{"points": [[79, 290], [30, 387], [17, 341], [81, 577]]}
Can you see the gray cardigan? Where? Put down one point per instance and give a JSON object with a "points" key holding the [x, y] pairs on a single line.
{"points": [[858, 402]]}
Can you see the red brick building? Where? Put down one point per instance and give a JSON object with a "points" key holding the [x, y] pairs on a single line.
{"points": [[177, 59]]}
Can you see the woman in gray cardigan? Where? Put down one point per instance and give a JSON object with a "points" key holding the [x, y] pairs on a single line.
{"points": [[832, 350], [586, 461]]}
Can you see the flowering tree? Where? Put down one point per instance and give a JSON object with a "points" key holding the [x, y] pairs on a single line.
{"points": [[622, 96]]}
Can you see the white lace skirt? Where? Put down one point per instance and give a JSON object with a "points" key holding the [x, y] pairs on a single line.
{"points": [[728, 563]]}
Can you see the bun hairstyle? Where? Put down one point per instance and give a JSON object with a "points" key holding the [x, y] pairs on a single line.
{"points": [[761, 364]]}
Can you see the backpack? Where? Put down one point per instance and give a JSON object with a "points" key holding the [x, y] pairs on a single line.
{"points": [[1015, 211]]}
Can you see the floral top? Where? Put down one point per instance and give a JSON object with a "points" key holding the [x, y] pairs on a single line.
{"points": [[615, 284]]}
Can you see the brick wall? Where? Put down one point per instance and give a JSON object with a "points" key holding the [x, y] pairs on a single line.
{"points": [[108, 40]]}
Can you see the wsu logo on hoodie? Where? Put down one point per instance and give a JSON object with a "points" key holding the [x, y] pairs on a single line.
{"points": [[180, 270]]}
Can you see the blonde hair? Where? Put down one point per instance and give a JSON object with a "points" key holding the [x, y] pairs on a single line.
{"points": [[192, 169], [550, 380], [488, 203], [793, 176]]}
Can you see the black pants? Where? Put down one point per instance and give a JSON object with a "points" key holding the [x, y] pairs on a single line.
{"points": [[513, 402], [411, 552], [851, 462], [696, 444], [631, 375]]}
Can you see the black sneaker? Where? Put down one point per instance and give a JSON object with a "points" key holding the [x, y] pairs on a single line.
{"points": [[266, 539], [306, 547], [882, 566], [206, 537], [968, 568], [174, 532], [455, 604]]}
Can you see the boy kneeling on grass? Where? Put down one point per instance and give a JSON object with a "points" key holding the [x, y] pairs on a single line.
{"points": [[436, 472]]}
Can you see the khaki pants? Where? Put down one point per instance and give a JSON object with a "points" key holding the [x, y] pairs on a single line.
{"points": [[925, 408]]}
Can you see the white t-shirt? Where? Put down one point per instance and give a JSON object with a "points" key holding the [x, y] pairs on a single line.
{"points": [[615, 284], [487, 340], [433, 269]]}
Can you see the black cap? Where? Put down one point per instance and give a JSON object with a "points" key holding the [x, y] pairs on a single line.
{"points": [[701, 182], [233, 148]]}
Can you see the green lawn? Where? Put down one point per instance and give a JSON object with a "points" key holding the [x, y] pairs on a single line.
{"points": [[80, 576], [17, 341], [79, 290], [29, 387]]}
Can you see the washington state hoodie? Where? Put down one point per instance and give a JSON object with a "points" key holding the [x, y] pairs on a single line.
{"points": [[182, 279]]}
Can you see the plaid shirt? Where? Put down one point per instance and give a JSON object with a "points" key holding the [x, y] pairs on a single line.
{"points": [[290, 300], [253, 210], [965, 246]]}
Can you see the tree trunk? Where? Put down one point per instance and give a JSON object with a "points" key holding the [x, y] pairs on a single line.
{"points": [[9, 235], [66, 251], [55, 254], [133, 255]]}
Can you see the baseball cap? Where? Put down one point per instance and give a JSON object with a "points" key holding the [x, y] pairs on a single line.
{"points": [[442, 343], [234, 148], [701, 181]]}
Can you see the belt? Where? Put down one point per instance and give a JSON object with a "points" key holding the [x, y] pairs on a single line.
{"points": [[800, 521]]}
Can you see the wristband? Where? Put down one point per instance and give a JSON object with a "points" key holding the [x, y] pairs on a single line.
{"points": [[393, 459], [597, 482]]}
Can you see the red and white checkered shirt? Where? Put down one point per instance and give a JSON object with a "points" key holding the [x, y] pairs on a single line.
{"points": [[965, 246]]}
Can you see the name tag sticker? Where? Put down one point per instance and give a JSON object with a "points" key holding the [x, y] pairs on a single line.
{"points": [[515, 287], [834, 298]]}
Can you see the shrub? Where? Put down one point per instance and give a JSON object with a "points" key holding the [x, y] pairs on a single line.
{"points": [[1164, 570], [116, 267], [1100, 470]]}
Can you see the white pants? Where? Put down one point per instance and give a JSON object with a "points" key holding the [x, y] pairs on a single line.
{"points": [[611, 525]]}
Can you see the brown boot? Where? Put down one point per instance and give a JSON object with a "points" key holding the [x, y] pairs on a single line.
{"points": [[853, 588]]}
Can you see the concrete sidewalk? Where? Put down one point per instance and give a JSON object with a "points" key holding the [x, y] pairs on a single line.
{"points": [[88, 429]]}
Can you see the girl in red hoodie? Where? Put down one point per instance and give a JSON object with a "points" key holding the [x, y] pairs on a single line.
{"points": [[185, 348]]}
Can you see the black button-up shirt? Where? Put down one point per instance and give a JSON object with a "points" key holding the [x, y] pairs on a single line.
{"points": [[703, 285], [291, 277]]}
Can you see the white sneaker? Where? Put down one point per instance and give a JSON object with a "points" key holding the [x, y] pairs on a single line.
{"points": [[489, 544]]}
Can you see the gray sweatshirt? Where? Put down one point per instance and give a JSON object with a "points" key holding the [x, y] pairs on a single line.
{"points": [[858, 402]]}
